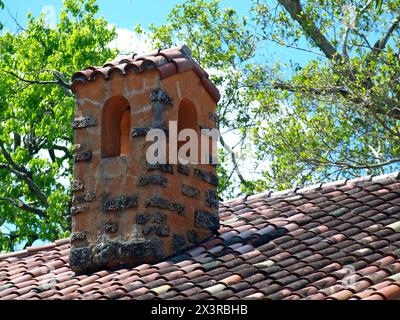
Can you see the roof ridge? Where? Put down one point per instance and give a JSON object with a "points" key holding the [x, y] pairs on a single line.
{"points": [[296, 190]]}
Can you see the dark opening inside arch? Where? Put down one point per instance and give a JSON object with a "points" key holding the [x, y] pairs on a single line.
{"points": [[115, 127], [187, 119]]}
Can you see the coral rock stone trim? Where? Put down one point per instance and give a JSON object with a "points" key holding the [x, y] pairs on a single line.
{"points": [[121, 203], [79, 147], [159, 230], [168, 168], [154, 217], [111, 227], [154, 223], [190, 191], [212, 199], [159, 99], [183, 169], [206, 176], [87, 197], [111, 254], [84, 122], [153, 180], [78, 236], [77, 185], [159, 202], [83, 156], [178, 242], [206, 220], [193, 236], [79, 209], [143, 131], [158, 95]]}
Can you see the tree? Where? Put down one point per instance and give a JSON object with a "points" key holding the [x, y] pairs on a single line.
{"points": [[221, 43], [332, 115], [330, 112], [338, 114], [1, 7], [37, 108]]}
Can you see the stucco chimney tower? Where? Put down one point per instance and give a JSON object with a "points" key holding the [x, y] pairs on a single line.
{"points": [[125, 210]]}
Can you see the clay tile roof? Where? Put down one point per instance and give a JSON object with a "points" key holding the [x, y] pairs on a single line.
{"points": [[168, 62], [302, 244]]}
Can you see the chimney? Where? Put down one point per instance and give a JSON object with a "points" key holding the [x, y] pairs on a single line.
{"points": [[127, 210]]}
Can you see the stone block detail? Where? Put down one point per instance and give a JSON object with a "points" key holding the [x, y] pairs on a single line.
{"points": [[190, 191], [120, 203], [178, 242], [80, 258], [156, 217], [142, 132], [79, 209], [212, 199], [183, 169], [206, 176], [158, 202], [192, 236], [153, 180], [79, 147], [160, 167], [83, 122], [77, 185], [158, 95], [160, 230], [139, 249], [111, 227], [83, 156], [87, 197], [206, 220], [113, 253], [104, 252], [78, 236]]}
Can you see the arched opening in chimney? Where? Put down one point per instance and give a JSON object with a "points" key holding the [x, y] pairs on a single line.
{"points": [[187, 119], [115, 127]]}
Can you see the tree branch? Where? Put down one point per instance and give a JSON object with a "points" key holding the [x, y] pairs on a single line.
{"points": [[60, 81], [310, 29], [22, 173], [233, 157], [281, 43], [347, 32], [345, 165], [381, 44], [24, 206]]}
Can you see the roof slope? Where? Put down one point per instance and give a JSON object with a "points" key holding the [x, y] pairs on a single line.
{"points": [[168, 62], [339, 240]]}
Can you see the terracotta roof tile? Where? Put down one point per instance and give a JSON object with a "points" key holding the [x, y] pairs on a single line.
{"points": [[168, 62], [271, 246]]}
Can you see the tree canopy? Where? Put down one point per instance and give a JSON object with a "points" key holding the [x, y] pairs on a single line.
{"points": [[329, 116], [37, 108], [329, 111]]}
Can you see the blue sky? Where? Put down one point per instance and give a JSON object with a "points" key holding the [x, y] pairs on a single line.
{"points": [[125, 14], [122, 13]]}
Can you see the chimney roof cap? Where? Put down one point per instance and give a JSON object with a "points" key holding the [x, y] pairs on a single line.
{"points": [[167, 61]]}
